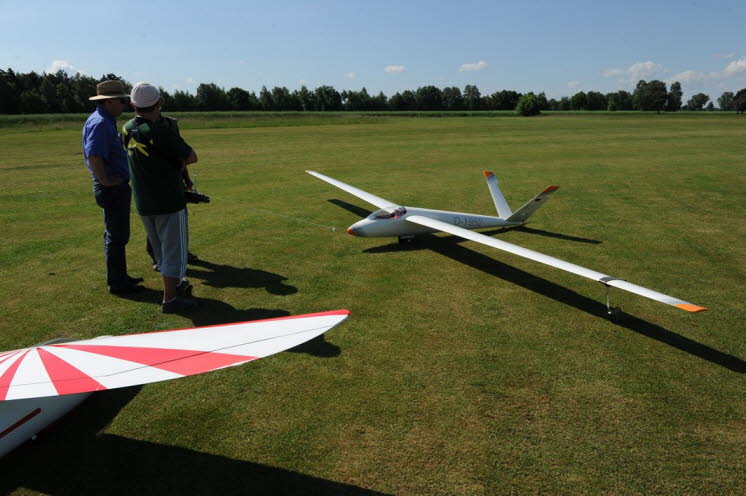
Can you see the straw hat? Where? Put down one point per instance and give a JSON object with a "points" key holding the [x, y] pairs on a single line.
{"points": [[109, 89]]}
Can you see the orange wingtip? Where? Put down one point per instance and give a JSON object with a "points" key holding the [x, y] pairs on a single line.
{"points": [[487, 173], [551, 188], [691, 308]]}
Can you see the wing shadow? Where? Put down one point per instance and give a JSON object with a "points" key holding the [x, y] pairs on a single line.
{"points": [[449, 247], [74, 459], [550, 234], [359, 211]]}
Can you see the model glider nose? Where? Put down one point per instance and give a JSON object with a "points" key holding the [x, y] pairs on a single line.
{"points": [[353, 231]]}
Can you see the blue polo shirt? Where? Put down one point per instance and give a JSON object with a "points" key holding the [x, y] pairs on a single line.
{"points": [[100, 137]]}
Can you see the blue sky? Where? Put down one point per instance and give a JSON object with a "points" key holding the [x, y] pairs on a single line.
{"points": [[552, 46]]}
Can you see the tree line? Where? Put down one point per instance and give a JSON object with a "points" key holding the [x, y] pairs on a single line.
{"points": [[33, 93]]}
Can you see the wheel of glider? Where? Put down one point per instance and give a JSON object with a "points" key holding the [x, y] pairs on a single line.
{"points": [[615, 314], [403, 240]]}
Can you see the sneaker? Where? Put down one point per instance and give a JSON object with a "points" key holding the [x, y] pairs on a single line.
{"points": [[178, 304], [184, 288], [135, 280], [125, 289], [156, 268]]}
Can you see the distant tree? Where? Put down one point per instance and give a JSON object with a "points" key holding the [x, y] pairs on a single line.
{"points": [[726, 101], [697, 102], [32, 102], [710, 107], [239, 99], [166, 97], [528, 105], [541, 99], [283, 100], [211, 97], [183, 101], [452, 99], [673, 101], [472, 97], [596, 101], [611, 102], [650, 95], [429, 98], [265, 99], [564, 103], [504, 100], [553, 104], [579, 101], [327, 98], [739, 101]]}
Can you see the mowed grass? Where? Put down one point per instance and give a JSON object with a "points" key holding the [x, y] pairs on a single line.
{"points": [[462, 369]]}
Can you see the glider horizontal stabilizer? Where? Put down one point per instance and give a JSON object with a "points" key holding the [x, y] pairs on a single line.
{"points": [[120, 361], [554, 262], [363, 195]]}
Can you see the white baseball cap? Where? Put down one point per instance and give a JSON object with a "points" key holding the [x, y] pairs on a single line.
{"points": [[144, 95]]}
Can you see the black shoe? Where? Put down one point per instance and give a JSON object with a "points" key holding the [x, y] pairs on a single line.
{"points": [[125, 289], [184, 288], [191, 257], [156, 268], [178, 304], [135, 280]]}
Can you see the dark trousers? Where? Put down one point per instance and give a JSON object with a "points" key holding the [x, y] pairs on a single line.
{"points": [[115, 201]]}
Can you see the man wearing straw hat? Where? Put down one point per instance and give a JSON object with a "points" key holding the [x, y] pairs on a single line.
{"points": [[106, 160], [157, 158]]}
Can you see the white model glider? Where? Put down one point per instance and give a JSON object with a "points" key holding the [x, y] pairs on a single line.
{"points": [[40, 384], [406, 222]]}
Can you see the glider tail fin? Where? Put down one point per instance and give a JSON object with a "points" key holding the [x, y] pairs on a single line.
{"points": [[526, 211], [503, 210]]}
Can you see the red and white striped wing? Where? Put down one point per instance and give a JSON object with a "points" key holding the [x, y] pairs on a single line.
{"points": [[120, 361]]}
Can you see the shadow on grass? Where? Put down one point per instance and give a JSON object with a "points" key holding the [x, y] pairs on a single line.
{"points": [[449, 247], [227, 276], [72, 458], [214, 312], [359, 211]]}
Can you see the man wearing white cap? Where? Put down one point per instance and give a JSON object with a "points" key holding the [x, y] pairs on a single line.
{"points": [[157, 155], [106, 160]]}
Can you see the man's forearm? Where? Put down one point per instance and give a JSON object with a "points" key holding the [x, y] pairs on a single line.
{"points": [[97, 166]]}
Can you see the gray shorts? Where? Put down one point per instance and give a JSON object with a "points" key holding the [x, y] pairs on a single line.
{"points": [[168, 237]]}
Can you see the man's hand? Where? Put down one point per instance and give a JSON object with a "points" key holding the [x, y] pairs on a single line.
{"points": [[97, 166]]}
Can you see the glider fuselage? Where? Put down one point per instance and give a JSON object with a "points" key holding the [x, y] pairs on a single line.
{"points": [[23, 419], [382, 223]]}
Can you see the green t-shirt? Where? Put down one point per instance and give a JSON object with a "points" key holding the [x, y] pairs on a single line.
{"points": [[155, 152]]}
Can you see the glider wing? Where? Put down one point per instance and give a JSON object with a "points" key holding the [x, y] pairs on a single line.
{"points": [[119, 361], [554, 262], [363, 195]]}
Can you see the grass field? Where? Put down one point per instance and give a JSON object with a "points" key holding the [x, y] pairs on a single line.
{"points": [[461, 370]]}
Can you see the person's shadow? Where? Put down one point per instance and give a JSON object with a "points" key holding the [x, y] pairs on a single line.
{"points": [[73, 458], [227, 276], [215, 312]]}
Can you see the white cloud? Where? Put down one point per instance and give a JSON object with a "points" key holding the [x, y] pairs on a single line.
{"points": [[63, 65], [643, 70], [394, 68], [728, 55], [350, 75], [735, 67], [612, 72], [302, 81], [476, 66], [573, 85]]}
